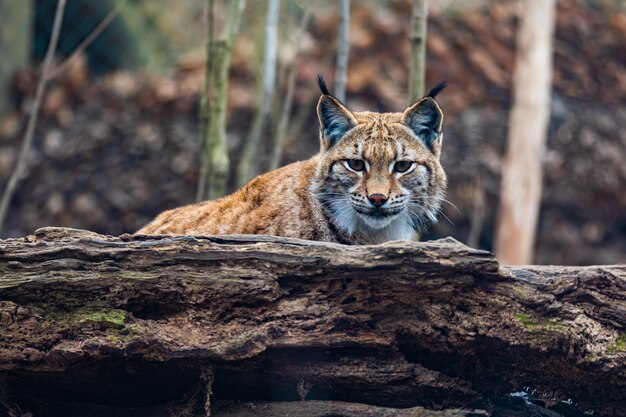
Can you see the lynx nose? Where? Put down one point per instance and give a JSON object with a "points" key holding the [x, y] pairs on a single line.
{"points": [[377, 199]]}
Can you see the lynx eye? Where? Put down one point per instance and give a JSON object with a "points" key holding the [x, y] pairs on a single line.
{"points": [[356, 164], [402, 166]]}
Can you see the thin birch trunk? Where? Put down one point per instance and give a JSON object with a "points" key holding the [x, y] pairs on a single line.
{"points": [[417, 41], [206, 103], [341, 76], [20, 166], [216, 151], [522, 171], [281, 129], [417, 64], [248, 163]]}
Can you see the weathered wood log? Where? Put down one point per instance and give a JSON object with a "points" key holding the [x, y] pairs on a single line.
{"points": [[136, 321]]}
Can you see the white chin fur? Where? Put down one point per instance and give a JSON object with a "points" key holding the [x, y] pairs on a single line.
{"points": [[373, 230], [377, 222], [381, 230]]}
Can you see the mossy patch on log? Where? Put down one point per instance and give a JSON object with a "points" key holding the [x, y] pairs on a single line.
{"points": [[107, 317], [619, 345], [532, 325], [102, 317]]}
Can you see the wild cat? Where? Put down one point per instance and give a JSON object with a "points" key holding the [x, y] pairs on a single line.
{"points": [[376, 178]]}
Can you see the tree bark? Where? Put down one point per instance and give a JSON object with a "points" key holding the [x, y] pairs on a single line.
{"points": [[522, 170], [417, 42], [136, 321]]}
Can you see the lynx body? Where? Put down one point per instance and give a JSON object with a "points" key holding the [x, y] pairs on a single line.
{"points": [[376, 178]]}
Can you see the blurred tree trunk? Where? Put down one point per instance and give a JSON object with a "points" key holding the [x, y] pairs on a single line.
{"points": [[206, 103], [417, 42], [522, 171], [280, 137], [214, 171], [417, 64], [341, 76], [249, 161], [15, 41]]}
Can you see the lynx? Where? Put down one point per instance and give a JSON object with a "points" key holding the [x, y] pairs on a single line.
{"points": [[376, 178]]}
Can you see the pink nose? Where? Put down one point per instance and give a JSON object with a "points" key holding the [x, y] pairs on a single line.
{"points": [[377, 199]]}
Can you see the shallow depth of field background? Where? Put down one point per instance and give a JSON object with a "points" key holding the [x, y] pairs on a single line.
{"points": [[118, 137]]}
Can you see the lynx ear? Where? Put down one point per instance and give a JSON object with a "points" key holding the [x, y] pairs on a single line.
{"points": [[335, 120], [424, 118]]}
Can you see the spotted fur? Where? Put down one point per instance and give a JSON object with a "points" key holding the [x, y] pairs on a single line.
{"points": [[323, 198]]}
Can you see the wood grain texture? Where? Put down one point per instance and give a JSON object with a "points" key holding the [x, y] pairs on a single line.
{"points": [[403, 324]]}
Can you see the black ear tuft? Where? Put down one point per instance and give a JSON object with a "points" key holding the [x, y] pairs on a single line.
{"points": [[322, 84], [437, 89]]}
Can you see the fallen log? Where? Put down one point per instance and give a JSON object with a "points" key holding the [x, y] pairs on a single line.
{"points": [[137, 322]]}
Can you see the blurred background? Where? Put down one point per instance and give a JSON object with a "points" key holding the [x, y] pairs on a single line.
{"points": [[118, 136]]}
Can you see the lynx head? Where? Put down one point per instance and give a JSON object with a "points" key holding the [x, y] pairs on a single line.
{"points": [[379, 176]]}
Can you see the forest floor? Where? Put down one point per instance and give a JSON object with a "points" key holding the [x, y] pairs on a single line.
{"points": [[112, 152]]}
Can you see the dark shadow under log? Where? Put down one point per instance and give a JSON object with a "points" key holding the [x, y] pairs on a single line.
{"points": [[327, 409], [92, 324]]}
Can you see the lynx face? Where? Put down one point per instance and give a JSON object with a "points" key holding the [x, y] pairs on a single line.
{"points": [[379, 174]]}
